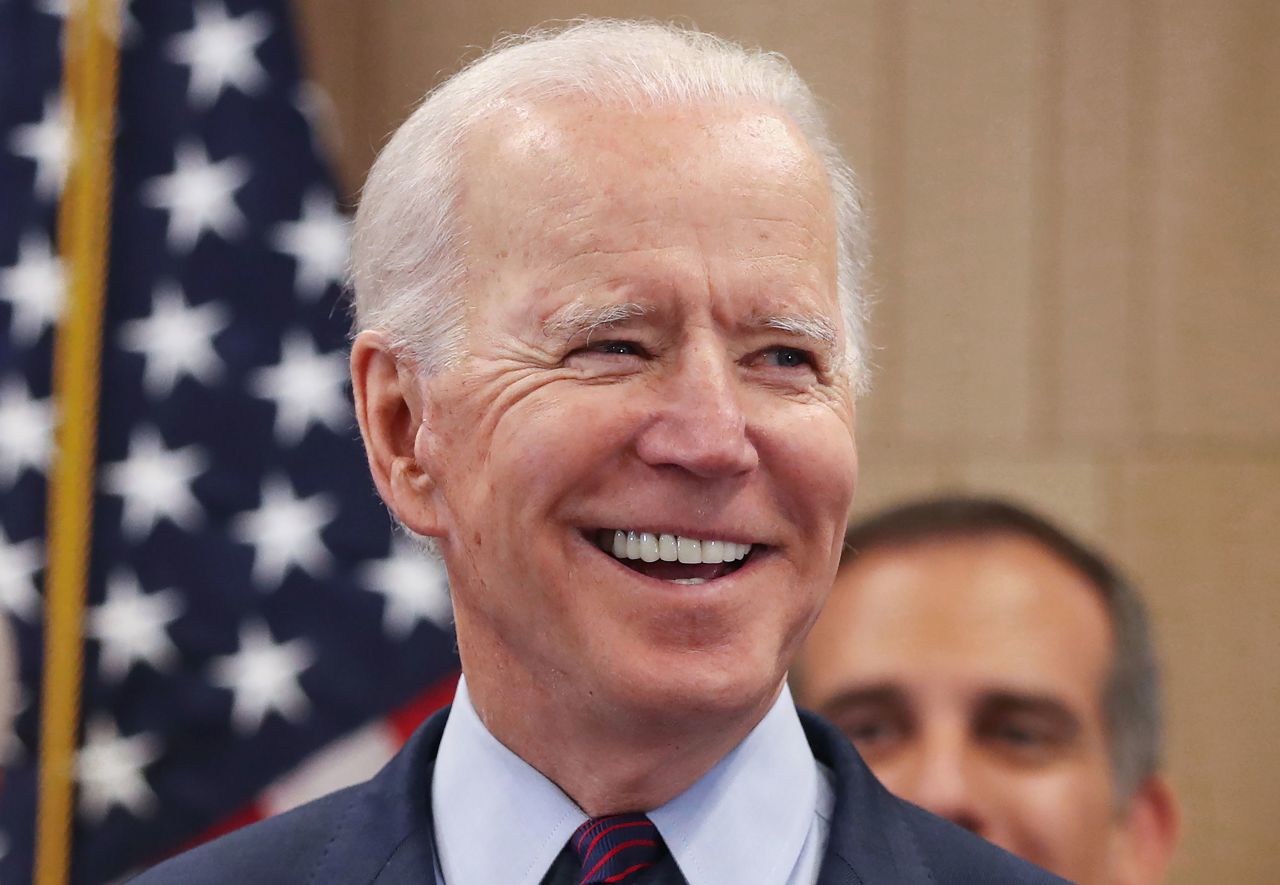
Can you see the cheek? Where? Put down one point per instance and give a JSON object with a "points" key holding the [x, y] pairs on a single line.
{"points": [[1063, 819], [814, 461], [504, 463], [561, 434]]}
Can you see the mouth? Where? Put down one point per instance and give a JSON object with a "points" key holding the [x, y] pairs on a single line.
{"points": [[677, 559]]}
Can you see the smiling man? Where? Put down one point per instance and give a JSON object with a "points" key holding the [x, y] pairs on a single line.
{"points": [[999, 673], [606, 283]]}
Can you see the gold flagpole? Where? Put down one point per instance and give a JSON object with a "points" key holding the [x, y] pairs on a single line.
{"points": [[90, 73]]}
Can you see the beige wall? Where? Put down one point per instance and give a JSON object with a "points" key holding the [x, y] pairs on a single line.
{"points": [[1077, 213]]}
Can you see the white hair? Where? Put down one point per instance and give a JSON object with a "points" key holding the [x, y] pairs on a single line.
{"points": [[407, 266]]}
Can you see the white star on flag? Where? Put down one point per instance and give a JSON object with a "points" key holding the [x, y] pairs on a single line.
{"points": [[113, 16], [199, 196], [318, 109], [33, 286], [285, 532], [131, 627], [176, 338], [307, 387], [19, 562], [263, 677], [220, 52], [414, 586], [155, 483], [110, 769], [26, 431], [47, 144], [318, 243]]}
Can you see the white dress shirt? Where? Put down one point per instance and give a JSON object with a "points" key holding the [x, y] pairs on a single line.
{"points": [[761, 815]]}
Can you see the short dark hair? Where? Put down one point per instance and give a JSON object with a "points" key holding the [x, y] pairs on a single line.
{"points": [[1131, 697]]}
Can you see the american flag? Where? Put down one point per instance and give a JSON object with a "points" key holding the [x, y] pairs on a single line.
{"points": [[249, 604]]}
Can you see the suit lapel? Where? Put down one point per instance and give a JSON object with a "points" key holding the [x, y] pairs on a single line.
{"points": [[386, 835], [869, 842]]}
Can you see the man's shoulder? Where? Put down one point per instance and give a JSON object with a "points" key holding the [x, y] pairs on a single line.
{"points": [[280, 850], [954, 856], [347, 837]]}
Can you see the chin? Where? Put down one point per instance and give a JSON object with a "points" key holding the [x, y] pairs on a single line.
{"points": [[703, 685]]}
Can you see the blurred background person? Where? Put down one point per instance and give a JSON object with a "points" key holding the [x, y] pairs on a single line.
{"points": [[999, 673]]}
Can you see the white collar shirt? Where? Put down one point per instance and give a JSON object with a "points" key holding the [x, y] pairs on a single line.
{"points": [[760, 815]]}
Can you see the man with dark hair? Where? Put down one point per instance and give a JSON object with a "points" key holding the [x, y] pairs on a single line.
{"points": [[999, 673]]}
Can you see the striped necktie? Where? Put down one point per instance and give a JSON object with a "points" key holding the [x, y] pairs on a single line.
{"points": [[616, 847]]}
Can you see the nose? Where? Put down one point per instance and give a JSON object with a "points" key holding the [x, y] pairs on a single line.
{"points": [[699, 424], [942, 776]]}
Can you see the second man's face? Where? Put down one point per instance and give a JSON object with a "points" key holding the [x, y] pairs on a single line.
{"points": [[970, 675], [644, 463]]}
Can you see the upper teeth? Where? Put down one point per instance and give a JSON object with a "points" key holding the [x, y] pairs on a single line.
{"points": [[651, 547]]}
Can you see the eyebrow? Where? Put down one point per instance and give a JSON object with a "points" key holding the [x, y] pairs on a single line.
{"points": [[1004, 702], [989, 703], [817, 328], [577, 321], [869, 696]]}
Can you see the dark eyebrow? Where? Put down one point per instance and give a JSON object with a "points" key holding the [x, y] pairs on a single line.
{"points": [[578, 321], [1003, 703], [881, 695]]}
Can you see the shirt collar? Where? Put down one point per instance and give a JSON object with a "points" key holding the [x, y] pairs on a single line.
{"points": [[497, 819], [763, 794]]}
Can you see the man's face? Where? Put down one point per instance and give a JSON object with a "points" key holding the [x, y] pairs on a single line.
{"points": [[654, 346], [970, 675]]}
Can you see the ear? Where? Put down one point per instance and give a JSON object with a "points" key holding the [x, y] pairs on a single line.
{"points": [[1148, 834], [388, 398]]}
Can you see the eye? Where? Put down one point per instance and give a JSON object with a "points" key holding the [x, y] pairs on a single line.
{"points": [[786, 357], [607, 354], [874, 735], [1017, 736], [1025, 740], [868, 732], [617, 348], [610, 348]]}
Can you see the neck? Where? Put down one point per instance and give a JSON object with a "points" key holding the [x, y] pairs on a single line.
{"points": [[652, 756]]}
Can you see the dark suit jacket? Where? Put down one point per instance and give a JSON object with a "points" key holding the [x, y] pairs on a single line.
{"points": [[380, 832]]}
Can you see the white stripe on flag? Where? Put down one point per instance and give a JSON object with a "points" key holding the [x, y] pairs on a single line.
{"points": [[349, 760]]}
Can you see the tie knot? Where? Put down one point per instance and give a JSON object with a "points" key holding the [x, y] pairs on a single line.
{"points": [[613, 848]]}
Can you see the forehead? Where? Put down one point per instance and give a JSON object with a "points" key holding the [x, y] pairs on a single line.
{"points": [[576, 190], [972, 616], [571, 144]]}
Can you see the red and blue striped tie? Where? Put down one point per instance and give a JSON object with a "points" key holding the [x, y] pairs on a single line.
{"points": [[616, 847]]}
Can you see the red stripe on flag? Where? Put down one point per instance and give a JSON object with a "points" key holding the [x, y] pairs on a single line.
{"points": [[406, 719]]}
